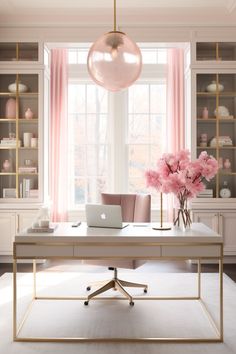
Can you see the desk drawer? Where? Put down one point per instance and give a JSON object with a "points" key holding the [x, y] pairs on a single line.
{"points": [[117, 251], [191, 251], [44, 251]]}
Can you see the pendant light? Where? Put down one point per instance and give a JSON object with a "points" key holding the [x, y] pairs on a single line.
{"points": [[114, 60]]}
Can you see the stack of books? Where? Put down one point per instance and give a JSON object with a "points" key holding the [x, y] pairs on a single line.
{"points": [[207, 193], [27, 169], [10, 142]]}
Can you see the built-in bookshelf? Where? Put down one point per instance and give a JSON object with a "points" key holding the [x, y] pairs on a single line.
{"points": [[19, 124]]}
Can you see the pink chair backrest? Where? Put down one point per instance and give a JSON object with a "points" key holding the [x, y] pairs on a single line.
{"points": [[135, 207]]}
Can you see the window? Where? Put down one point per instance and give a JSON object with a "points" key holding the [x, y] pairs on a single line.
{"points": [[88, 149], [146, 130], [114, 137]]}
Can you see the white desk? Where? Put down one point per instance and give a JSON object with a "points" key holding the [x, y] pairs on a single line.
{"points": [[139, 242]]}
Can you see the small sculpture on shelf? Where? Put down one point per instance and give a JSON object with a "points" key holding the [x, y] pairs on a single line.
{"points": [[203, 140], [205, 113], [223, 113], [227, 165], [29, 114]]}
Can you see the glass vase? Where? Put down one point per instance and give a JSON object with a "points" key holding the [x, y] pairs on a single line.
{"points": [[183, 219]]}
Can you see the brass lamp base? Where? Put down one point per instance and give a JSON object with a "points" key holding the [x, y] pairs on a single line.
{"points": [[162, 227]]}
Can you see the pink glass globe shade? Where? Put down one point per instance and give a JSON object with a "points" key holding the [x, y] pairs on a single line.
{"points": [[114, 61]]}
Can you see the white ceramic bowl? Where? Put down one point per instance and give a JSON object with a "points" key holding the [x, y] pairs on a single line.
{"points": [[21, 87], [213, 87], [222, 111]]}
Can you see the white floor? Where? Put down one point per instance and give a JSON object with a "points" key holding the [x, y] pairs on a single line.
{"points": [[116, 318]]}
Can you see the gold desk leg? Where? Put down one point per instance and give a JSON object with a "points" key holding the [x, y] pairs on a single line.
{"points": [[199, 269], [14, 300], [34, 275], [221, 295]]}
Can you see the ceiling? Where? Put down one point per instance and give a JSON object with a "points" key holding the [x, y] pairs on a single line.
{"points": [[129, 12]]}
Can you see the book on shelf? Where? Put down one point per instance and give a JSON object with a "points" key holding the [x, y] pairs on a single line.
{"points": [[25, 188], [9, 192], [9, 142], [207, 193], [27, 169]]}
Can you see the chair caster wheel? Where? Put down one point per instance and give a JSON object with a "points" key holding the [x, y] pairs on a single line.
{"points": [[131, 303], [88, 288], [86, 303], [145, 290]]}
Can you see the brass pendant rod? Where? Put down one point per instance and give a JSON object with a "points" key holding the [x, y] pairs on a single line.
{"points": [[114, 15]]}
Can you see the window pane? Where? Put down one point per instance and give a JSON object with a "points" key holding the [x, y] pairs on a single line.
{"points": [[82, 56], [149, 56], [96, 160], [158, 98], [96, 99], [96, 128], [76, 98], [162, 56], [72, 56], [156, 129], [79, 190], [139, 99], [138, 158], [138, 131], [94, 189], [79, 162]]}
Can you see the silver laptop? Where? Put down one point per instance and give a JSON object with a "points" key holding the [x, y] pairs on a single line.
{"points": [[100, 215]]}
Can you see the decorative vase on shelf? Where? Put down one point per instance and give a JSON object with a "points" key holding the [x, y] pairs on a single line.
{"points": [[29, 114], [21, 87], [227, 164], [10, 111], [6, 166], [205, 113], [213, 87]]}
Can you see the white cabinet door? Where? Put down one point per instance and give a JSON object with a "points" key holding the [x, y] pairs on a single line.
{"points": [[25, 219], [7, 232], [227, 228], [209, 219]]}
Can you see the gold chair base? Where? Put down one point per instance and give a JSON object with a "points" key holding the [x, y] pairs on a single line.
{"points": [[116, 284]]}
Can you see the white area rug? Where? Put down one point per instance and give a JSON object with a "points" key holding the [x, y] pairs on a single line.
{"points": [[117, 318]]}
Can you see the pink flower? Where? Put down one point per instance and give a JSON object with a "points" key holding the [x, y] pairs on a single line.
{"points": [[178, 175], [153, 179]]}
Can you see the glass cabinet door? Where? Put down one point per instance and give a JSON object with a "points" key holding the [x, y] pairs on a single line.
{"points": [[19, 134], [216, 51], [216, 128], [12, 51]]}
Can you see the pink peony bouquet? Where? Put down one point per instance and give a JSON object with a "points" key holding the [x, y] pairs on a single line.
{"points": [[176, 174]]}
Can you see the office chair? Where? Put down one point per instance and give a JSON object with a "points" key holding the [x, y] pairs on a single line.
{"points": [[135, 208]]}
